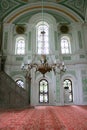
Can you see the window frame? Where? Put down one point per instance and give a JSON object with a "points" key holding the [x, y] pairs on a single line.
{"points": [[42, 23], [19, 38], [67, 87], [69, 44], [43, 93], [19, 83]]}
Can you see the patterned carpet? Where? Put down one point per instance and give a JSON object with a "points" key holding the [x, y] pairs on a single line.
{"points": [[45, 118]]}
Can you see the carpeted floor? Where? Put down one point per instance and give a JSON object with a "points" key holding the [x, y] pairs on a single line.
{"points": [[45, 118], [73, 117]]}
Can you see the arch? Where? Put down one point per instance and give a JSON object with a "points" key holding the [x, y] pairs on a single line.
{"points": [[39, 77], [42, 37], [72, 16], [35, 88], [69, 76], [50, 22], [20, 45], [19, 77], [72, 78], [68, 93], [20, 82], [65, 44], [36, 18], [43, 91]]}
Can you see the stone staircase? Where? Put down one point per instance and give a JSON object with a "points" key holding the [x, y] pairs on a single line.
{"points": [[11, 95]]}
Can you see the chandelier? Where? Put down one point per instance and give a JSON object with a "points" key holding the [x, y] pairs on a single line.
{"points": [[44, 65]]}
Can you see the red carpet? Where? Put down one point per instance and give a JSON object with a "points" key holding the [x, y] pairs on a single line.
{"points": [[73, 117], [45, 118]]}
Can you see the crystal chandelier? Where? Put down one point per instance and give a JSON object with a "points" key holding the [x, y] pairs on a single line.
{"points": [[44, 65]]}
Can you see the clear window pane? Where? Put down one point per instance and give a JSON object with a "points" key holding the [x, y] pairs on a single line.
{"points": [[41, 97], [45, 98], [20, 83], [65, 45], [43, 39], [20, 45], [67, 84], [41, 88], [43, 91], [45, 88]]}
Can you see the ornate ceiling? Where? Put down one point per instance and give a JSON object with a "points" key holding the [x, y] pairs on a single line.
{"points": [[76, 6]]}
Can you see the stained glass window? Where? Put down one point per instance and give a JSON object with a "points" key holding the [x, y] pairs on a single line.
{"points": [[43, 38], [65, 45], [20, 45]]}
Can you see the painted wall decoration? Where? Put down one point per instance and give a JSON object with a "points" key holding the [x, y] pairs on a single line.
{"points": [[7, 7], [84, 82]]}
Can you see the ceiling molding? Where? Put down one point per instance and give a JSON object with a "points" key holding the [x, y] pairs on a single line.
{"points": [[29, 8]]}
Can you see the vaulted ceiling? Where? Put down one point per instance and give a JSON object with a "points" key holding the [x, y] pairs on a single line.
{"points": [[77, 7]]}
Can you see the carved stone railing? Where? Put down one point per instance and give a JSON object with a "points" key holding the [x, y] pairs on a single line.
{"points": [[16, 96]]}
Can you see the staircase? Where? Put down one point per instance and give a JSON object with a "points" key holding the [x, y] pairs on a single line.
{"points": [[11, 95]]}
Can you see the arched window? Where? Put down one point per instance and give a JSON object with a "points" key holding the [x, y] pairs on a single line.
{"points": [[20, 83], [42, 38], [20, 45], [43, 91], [68, 94], [65, 45]]}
